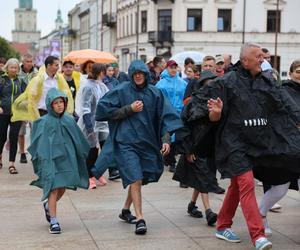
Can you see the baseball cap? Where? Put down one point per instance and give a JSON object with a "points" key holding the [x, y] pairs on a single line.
{"points": [[171, 63], [219, 59]]}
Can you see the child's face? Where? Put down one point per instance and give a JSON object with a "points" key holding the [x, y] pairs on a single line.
{"points": [[58, 105]]}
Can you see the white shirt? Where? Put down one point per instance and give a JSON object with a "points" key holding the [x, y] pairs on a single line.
{"points": [[49, 83]]}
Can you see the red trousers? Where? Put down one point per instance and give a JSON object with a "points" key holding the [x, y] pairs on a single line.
{"points": [[241, 190]]}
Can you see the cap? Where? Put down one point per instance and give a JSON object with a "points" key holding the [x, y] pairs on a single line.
{"points": [[114, 65], [150, 60], [171, 63], [219, 59]]}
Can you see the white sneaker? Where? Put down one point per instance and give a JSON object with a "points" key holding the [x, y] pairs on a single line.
{"points": [[268, 230], [259, 183], [276, 207]]}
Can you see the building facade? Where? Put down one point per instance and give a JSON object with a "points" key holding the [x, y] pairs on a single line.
{"points": [[25, 23], [166, 27]]}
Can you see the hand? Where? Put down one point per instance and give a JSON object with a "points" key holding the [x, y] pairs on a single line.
{"points": [[191, 158], [1, 111], [137, 106], [165, 149], [215, 109]]}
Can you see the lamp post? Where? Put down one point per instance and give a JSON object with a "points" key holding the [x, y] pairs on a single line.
{"points": [[244, 22], [137, 30], [276, 35]]}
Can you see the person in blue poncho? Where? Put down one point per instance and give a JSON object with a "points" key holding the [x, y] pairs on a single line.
{"points": [[140, 122], [173, 87], [59, 151]]}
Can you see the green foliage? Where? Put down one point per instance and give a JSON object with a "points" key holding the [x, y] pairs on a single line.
{"points": [[6, 50]]}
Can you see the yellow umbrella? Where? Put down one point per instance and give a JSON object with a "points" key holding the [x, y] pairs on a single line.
{"points": [[81, 56]]}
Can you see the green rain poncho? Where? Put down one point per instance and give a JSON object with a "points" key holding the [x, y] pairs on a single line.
{"points": [[59, 150]]}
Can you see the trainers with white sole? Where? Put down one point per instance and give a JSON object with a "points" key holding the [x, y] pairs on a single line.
{"points": [[228, 235], [263, 244]]}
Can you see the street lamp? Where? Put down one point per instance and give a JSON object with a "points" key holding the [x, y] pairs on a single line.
{"points": [[137, 30], [276, 35]]}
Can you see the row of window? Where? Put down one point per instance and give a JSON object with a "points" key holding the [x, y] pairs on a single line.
{"points": [[194, 21]]}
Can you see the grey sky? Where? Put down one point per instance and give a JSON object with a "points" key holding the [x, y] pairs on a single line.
{"points": [[47, 10]]}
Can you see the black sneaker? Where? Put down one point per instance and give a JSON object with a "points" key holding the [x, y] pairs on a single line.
{"points": [[211, 217], [193, 211], [126, 216], [140, 227], [172, 168], [47, 213], [23, 158], [54, 228], [219, 190], [113, 175], [182, 185]]}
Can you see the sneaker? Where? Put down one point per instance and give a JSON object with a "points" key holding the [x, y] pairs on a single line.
{"points": [[211, 217], [92, 183], [54, 228], [193, 210], [102, 181], [183, 185], [259, 183], [47, 213], [113, 175], [126, 216], [268, 230], [140, 227], [172, 168], [275, 208], [263, 244], [219, 190], [228, 235], [23, 158]]}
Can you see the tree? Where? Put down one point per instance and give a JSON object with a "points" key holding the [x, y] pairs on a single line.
{"points": [[6, 50]]}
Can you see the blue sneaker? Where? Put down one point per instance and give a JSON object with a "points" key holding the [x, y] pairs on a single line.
{"points": [[263, 244], [228, 235]]}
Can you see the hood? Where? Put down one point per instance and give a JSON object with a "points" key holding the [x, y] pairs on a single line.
{"points": [[138, 65], [206, 74], [165, 75], [51, 96]]}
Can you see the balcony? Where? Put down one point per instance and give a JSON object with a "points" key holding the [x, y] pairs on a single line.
{"points": [[161, 38], [109, 19]]}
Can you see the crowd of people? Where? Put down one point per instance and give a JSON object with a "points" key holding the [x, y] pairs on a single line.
{"points": [[239, 119]]}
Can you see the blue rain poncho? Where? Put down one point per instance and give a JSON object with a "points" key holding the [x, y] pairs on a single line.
{"points": [[59, 150], [173, 88], [135, 138]]}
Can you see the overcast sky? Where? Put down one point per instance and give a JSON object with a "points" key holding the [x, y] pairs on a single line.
{"points": [[47, 10]]}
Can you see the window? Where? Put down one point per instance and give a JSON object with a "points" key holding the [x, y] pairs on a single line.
{"points": [[131, 24], [194, 20], [224, 20], [271, 21], [144, 21]]}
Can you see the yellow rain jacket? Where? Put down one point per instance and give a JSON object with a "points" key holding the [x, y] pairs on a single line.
{"points": [[25, 107]]}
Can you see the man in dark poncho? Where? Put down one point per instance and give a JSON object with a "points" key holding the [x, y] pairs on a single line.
{"points": [[256, 128], [140, 120]]}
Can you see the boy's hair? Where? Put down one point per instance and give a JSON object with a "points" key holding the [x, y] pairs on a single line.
{"points": [[208, 58], [265, 50], [194, 68], [68, 62], [295, 64], [96, 70], [189, 60], [2, 60], [50, 60]]}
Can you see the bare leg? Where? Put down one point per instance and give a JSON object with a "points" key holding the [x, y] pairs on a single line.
{"points": [[22, 144], [136, 195], [60, 193], [128, 200], [52, 202], [205, 201], [195, 195]]}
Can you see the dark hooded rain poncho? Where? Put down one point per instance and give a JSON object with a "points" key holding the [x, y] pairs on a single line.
{"points": [[58, 149], [135, 138], [258, 127]]}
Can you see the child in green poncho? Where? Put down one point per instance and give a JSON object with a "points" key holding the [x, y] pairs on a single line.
{"points": [[59, 151]]}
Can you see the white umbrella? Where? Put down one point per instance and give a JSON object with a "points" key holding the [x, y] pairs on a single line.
{"points": [[195, 55]]}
